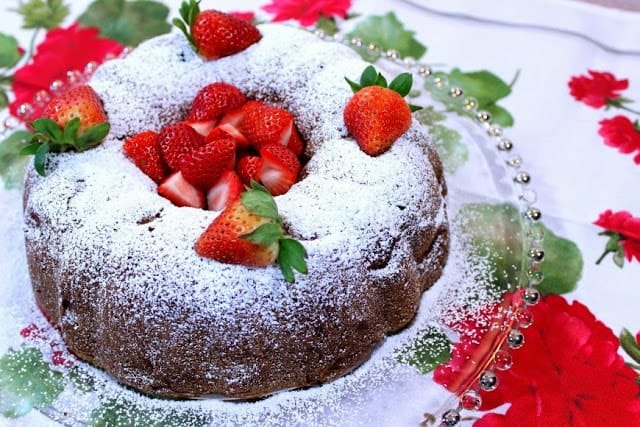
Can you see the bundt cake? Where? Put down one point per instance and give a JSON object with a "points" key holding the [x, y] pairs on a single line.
{"points": [[113, 264]]}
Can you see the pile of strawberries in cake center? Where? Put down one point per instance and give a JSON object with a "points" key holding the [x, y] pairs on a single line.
{"points": [[224, 143]]}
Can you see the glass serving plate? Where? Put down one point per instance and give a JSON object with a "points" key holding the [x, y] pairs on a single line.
{"points": [[495, 251]]}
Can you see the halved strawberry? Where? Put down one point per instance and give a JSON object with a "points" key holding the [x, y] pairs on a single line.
{"points": [[144, 150], [222, 240], [236, 116], [295, 143], [249, 168], [176, 140], [267, 125], [213, 100], [280, 169], [227, 130], [180, 192], [204, 165], [225, 191], [215, 34]]}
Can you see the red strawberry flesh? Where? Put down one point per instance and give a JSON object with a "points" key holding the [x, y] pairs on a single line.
{"points": [[144, 150], [180, 192], [280, 169], [225, 191]]}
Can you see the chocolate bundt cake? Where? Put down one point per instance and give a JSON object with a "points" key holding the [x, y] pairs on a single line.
{"points": [[113, 264]]}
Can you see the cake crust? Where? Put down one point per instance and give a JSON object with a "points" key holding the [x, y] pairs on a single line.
{"points": [[112, 263]]}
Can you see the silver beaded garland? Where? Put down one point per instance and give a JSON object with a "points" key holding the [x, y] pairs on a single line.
{"points": [[537, 255]]}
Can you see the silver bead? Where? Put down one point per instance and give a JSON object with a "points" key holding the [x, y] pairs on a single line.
{"points": [[320, 33], [56, 87], [525, 318], [503, 360], [338, 37], [25, 111], [409, 61], [357, 42], [373, 48], [455, 92], [451, 418], [533, 214], [393, 54], [505, 144], [440, 82], [495, 131], [515, 339], [75, 77], [514, 162], [535, 275], [470, 104], [41, 98], [523, 178], [483, 116], [471, 400], [488, 381], [531, 296], [528, 196], [536, 255], [425, 71], [10, 123], [90, 68]]}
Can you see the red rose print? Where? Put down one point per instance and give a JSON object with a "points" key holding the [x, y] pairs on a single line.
{"points": [[597, 89], [619, 132], [623, 230], [62, 50], [568, 373], [307, 12]]}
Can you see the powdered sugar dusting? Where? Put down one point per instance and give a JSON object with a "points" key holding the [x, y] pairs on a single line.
{"points": [[126, 254]]}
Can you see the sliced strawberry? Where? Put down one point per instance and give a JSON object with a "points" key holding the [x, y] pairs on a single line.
{"points": [[227, 130], [144, 150], [267, 125], [280, 169], [236, 116], [204, 165], [176, 140], [214, 100], [180, 192], [202, 127], [224, 192], [249, 168], [295, 143]]}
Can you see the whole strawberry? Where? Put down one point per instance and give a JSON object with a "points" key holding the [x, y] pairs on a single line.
{"points": [[249, 232], [214, 34], [377, 115], [74, 120], [215, 99], [80, 101], [176, 140]]}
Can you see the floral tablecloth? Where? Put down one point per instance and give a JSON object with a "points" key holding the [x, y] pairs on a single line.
{"points": [[560, 77]]}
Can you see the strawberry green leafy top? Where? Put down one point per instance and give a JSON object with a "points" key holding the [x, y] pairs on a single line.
{"points": [[291, 254]]}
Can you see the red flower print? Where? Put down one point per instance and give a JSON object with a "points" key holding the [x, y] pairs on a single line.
{"points": [[568, 373], [307, 12], [623, 230], [62, 50], [598, 89], [619, 132]]}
